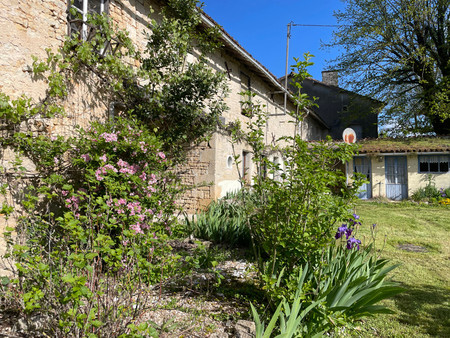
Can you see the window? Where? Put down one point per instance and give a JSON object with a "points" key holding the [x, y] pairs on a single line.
{"points": [[81, 9], [434, 163], [246, 88]]}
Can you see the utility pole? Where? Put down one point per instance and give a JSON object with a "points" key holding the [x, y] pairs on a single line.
{"points": [[289, 27]]}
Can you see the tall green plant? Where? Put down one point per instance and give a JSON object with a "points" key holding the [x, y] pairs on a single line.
{"points": [[344, 288], [294, 218], [224, 221]]}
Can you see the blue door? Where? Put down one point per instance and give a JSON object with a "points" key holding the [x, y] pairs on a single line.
{"points": [[396, 178], [362, 165]]}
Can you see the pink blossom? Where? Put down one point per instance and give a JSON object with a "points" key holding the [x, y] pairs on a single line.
{"points": [[64, 192], [134, 208], [162, 155], [112, 137], [109, 167], [143, 176], [86, 157], [121, 201], [53, 138], [104, 158], [55, 159], [137, 228], [153, 179], [143, 148], [98, 176], [73, 202], [122, 163]]}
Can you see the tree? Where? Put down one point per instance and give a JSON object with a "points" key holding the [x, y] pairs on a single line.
{"points": [[398, 51]]}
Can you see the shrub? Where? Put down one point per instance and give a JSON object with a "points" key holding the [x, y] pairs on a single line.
{"points": [[224, 221], [430, 193], [344, 288], [91, 244]]}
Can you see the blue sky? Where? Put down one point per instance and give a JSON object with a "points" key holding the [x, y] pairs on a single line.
{"points": [[260, 26]]}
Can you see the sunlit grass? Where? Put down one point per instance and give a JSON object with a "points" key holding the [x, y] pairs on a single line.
{"points": [[423, 310]]}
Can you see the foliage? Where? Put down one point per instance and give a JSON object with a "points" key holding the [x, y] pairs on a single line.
{"points": [[179, 98], [430, 193], [84, 238], [293, 215], [338, 292], [289, 316], [97, 216], [224, 221], [398, 52], [353, 282]]}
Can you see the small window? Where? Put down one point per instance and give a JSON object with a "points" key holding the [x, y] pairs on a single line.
{"points": [[77, 22], [434, 163], [229, 161]]}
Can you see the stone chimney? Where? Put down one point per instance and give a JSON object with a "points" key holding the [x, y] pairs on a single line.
{"points": [[330, 77]]}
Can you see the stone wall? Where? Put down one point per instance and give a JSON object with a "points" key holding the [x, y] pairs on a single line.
{"points": [[28, 27]]}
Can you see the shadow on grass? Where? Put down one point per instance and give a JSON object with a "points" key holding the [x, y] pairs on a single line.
{"points": [[426, 306]]}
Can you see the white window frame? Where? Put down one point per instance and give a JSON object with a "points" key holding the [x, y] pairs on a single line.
{"points": [[426, 158], [84, 12]]}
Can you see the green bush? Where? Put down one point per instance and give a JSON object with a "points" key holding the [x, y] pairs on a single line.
{"points": [[426, 194], [224, 221], [344, 288], [430, 193]]}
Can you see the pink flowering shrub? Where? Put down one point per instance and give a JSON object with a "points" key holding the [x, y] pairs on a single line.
{"points": [[112, 209], [127, 187]]}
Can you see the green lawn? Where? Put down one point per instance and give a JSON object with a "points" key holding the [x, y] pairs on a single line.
{"points": [[423, 310]]}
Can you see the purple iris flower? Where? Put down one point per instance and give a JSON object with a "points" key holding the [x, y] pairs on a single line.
{"points": [[374, 225], [355, 216], [341, 231], [352, 242], [348, 232]]}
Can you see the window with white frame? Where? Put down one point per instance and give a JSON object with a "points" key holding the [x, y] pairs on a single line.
{"points": [[79, 11], [434, 163]]}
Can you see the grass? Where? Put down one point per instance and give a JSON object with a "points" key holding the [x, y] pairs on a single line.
{"points": [[423, 310]]}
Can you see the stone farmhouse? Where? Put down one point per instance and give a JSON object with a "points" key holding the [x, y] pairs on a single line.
{"points": [[29, 27]]}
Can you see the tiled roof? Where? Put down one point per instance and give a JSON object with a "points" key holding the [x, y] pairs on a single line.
{"points": [[405, 145]]}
